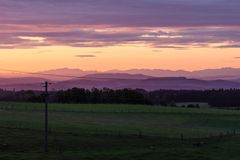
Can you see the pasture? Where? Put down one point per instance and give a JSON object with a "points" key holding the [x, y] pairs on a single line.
{"points": [[121, 132]]}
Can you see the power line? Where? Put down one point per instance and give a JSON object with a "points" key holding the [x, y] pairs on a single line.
{"points": [[46, 85], [43, 74]]}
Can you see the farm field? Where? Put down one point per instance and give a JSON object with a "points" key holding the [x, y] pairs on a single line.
{"points": [[121, 132]]}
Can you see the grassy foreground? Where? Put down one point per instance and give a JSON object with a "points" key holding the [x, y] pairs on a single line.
{"points": [[118, 132]]}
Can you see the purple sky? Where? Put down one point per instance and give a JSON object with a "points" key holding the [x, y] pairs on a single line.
{"points": [[140, 13], [77, 22]]}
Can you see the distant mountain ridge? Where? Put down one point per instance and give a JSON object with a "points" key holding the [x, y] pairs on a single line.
{"points": [[117, 76], [175, 83], [147, 79], [21, 80], [207, 74], [67, 72]]}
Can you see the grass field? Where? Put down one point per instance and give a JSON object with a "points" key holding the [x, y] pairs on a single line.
{"points": [[121, 132]]}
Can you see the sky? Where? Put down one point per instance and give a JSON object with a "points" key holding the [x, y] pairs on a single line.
{"points": [[119, 34]]}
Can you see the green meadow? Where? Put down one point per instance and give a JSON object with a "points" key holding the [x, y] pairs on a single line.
{"points": [[121, 132]]}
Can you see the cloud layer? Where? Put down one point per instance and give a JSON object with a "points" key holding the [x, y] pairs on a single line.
{"points": [[86, 56], [94, 23]]}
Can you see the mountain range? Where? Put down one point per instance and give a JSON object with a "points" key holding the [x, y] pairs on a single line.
{"points": [[135, 78], [207, 74]]}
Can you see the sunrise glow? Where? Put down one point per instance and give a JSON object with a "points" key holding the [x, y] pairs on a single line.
{"points": [[43, 35]]}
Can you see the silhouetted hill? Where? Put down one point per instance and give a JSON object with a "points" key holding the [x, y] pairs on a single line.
{"points": [[117, 76], [207, 74], [22, 83], [154, 72], [184, 83], [117, 81], [65, 72], [21, 80], [149, 84]]}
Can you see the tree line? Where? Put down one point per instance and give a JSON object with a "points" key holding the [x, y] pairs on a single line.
{"points": [[215, 98]]}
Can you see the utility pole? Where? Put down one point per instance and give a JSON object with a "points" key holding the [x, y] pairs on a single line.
{"points": [[46, 84]]}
